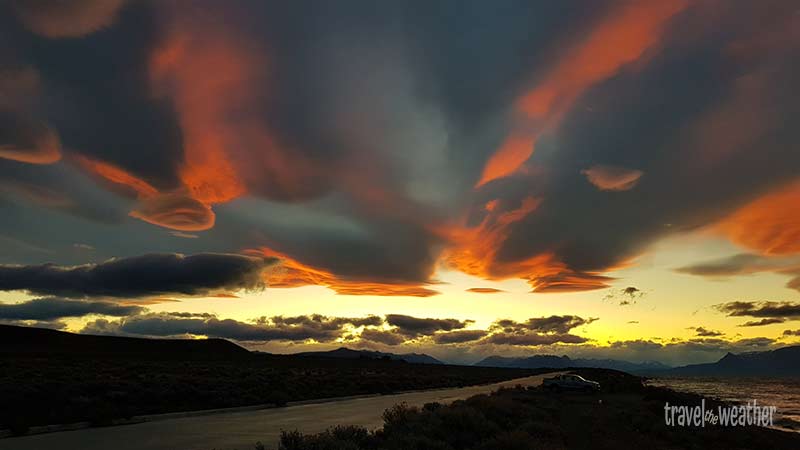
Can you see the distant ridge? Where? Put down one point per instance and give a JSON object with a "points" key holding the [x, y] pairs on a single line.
{"points": [[16, 340], [783, 362], [561, 362], [346, 353]]}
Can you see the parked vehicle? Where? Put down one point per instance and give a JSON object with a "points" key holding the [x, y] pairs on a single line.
{"points": [[570, 382]]}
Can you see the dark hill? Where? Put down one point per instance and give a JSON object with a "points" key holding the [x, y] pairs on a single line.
{"points": [[45, 342]]}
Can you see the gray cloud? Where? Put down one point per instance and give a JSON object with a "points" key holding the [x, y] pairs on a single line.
{"points": [[766, 309], [139, 276], [318, 320], [415, 326], [677, 351], [740, 264], [762, 322], [49, 309], [705, 332], [551, 324], [52, 324], [747, 264], [382, 337], [627, 296], [459, 337], [534, 339], [171, 324]]}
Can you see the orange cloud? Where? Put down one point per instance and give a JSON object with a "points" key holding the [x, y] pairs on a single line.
{"points": [[770, 224], [175, 211], [481, 290], [116, 175], [619, 39], [218, 82], [60, 19], [474, 251], [205, 76], [292, 273], [611, 178]]}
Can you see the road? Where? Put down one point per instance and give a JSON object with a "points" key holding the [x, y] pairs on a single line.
{"points": [[240, 430]]}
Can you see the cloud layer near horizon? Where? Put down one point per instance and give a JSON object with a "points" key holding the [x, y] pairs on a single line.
{"points": [[367, 145], [542, 335]]}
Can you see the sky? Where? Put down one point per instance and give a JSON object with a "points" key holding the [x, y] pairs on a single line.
{"points": [[604, 179]]}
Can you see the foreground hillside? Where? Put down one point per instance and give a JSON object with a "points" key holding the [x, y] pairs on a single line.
{"points": [[57, 377], [625, 414]]}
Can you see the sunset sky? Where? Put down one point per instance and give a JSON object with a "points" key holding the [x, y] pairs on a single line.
{"points": [[605, 179]]}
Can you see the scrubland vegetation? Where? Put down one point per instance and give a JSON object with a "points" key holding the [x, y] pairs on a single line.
{"points": [[625, 414], [39, 390]]}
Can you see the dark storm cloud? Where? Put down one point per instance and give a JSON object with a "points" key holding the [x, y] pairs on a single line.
{"points": [[779, 310], [139, 276], [216, 119], [94, 90], [428, 115], [686, 118], [415, 326], [49, 309]]}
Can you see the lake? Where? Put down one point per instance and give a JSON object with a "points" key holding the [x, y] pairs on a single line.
{"points": [[783, 393]]}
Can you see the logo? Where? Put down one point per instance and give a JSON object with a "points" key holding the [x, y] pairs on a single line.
{"points": [[747, 414]]}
